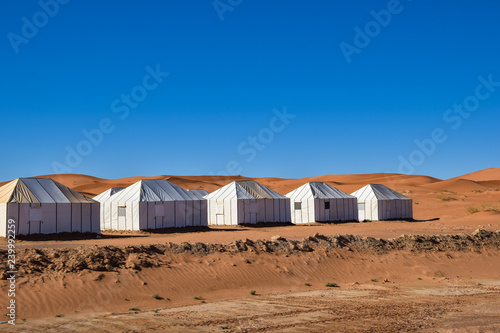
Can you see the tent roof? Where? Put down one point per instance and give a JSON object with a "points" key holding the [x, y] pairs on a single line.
{"points": [[152, 190], [200, 193], [106, 194], [318, 190], [380, 191], [247, 189], [39, 190]]}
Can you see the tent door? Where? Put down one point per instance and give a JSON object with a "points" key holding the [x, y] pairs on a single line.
{"points": [[35, 227], [219, 213], [361, 211], [35, 219], [253, 211], [159, 214], [122, 215], [158, 222]]}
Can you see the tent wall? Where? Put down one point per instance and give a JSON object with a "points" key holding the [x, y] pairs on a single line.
{"points": [[376, 209], [3, 220], [48, 218], [247, 211], [64, 218], [313, 210], [321, 202], [153, 215]]}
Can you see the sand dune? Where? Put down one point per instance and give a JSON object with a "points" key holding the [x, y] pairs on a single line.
{"points": [[480, 180], [456, 185], [481, 175]]}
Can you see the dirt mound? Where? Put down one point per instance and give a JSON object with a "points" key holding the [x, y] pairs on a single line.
{"points": [[109, 258]]}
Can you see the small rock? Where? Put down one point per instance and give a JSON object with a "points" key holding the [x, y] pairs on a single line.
{"points": [[277, 238]]}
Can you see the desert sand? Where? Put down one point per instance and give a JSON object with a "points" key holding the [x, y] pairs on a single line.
{"points": [[446, 279]]}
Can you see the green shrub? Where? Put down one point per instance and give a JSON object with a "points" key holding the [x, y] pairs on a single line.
{"points": [[472, 210], [253, 292], [134, 309], [446, 198], [490, 208], [198, 297], [331, 284], [307, 284], [59, 315]]}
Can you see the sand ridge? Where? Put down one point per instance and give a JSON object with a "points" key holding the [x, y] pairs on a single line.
{"points": [[479, 180]]}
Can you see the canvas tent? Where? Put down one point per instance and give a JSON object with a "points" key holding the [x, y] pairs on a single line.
{"points": [[320, 202], [152, 204], [44, 206], [108, 193], [378, 202], [200, 193], [246, 201]]}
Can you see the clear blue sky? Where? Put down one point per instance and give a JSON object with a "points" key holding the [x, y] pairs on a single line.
{"points": [[72, 70]]}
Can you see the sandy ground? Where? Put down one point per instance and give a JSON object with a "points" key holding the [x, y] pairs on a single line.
{"points": [[429, 289]]}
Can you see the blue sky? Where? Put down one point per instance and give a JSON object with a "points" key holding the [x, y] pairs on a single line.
{"points": [[259, 88]]}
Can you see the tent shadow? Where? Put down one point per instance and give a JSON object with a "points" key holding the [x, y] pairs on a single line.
{"points": [[60, 236], [425, 220], [186, 230], [267, 225], [334, 222], [411, 220]]}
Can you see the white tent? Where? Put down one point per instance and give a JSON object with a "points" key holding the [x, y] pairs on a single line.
{"points": [[108, 193], [152, 204], [43, 206], [200, 193], [320, 202], [378, 202], [246, 201]]}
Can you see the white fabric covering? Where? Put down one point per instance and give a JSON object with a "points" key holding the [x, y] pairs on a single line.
{"points": [[246, 202], [378, 202], [152, 204], [320, 202], [41, 205]]}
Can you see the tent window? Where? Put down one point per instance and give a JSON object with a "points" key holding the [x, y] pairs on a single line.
{"points": [[298, 205], [327, 204], [122, 211]]}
